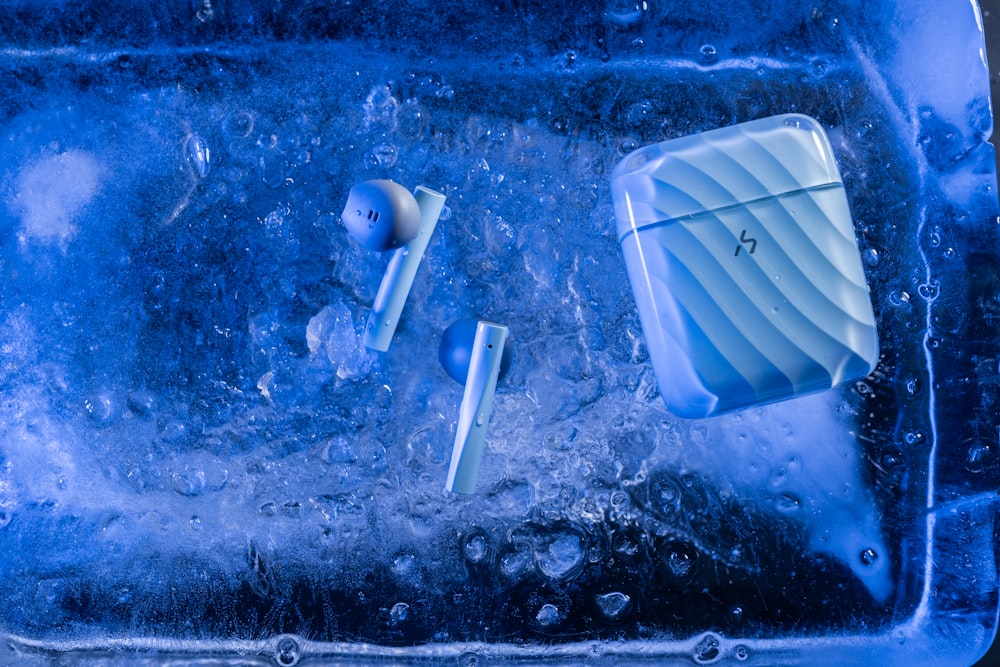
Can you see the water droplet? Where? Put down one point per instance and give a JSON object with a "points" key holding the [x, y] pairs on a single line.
{"points": [[868, 557], [548, 615], [399, 613], [707, 650], [709, 54], [913, 437], [913, 386], [741, 653], [871, 257], [613, 605], [286, 652], [268, 509], [198, 156]]}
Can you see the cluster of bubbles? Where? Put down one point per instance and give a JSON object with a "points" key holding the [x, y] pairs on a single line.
{"points": [[277, 427]]}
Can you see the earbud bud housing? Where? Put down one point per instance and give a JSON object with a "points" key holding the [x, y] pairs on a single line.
{"points": [[381, 215]]}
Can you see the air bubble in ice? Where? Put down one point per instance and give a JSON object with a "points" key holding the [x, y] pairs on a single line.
{"points": [[787, 503], [548, 615], [892, 459], [286, 652], [707, 650], [199, 476], [101, 408], [476, 548], [667, 494], [198, 156], [709, 54], [514, 560], [380, 107], [681, 561], [412, 120], [741, 653], [929, 291], [626, 544], [385, 155], [613, 605], [399, 613], [871, 257], [869, 557], [275, 168], [561, 555], [625, 13], [337, 450], [141, 403], [978, 457]]}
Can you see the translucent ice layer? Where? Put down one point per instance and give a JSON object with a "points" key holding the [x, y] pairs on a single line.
{"points": [[199, 454]]}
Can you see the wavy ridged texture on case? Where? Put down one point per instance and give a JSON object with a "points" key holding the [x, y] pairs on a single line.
{"points": [[742, 256]]}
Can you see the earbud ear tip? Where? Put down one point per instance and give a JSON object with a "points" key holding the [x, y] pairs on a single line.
{"points": [[381, 215], [455, 351]]}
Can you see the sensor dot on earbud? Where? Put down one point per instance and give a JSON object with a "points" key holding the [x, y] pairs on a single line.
{"points": [[381, 215]]}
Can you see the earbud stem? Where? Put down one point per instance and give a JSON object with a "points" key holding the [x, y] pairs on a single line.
{"points": [[477, 406], [398, 278]]}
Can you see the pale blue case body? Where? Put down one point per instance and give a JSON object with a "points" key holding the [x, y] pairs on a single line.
{"points": [[745, 267]]}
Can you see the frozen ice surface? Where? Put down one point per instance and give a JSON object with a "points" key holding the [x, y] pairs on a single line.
{"points": [[197, 452]]}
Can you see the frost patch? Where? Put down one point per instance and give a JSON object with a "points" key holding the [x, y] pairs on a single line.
{"points": [[51, 193]]}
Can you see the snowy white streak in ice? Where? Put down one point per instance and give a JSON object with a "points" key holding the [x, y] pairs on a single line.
{"points": [[51, 193]]}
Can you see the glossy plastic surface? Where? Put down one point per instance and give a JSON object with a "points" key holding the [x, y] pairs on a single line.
{"points": [[742, 255]]}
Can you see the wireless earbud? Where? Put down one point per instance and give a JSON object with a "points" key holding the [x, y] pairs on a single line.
{"points": [[381, 215], [483, 351], [455, 351]]}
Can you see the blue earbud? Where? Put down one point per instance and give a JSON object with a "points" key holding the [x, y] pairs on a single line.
{"points": [[381, 215], [473, 352]]}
